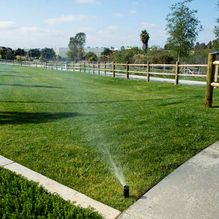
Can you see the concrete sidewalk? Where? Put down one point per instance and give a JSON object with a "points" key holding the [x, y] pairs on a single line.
{"points": [[190, 192]]}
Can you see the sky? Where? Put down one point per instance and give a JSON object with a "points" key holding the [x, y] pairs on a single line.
{"points": [[50, 23]]}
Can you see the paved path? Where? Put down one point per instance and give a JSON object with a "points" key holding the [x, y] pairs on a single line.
{"points": [[157, 79], [63, 191], [190, 192]]}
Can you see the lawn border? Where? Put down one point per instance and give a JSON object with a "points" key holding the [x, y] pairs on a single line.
{"points": [[64, 192]]}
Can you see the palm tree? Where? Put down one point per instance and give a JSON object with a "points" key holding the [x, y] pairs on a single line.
{"points": [[144, 39]]}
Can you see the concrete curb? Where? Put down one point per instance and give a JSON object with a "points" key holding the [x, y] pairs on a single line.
{"points": [[65, 192]]}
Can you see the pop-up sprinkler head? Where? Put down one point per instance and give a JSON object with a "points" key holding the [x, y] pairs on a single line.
{"points": [[126, 191]]}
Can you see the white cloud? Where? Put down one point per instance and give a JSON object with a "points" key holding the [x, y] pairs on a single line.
{"points": [[147, 25], [88, 1], [7, 25], [111, 36], [118, 14], [30, 36], [70, 18], [110, 29], [132, 12], [29, 29]]}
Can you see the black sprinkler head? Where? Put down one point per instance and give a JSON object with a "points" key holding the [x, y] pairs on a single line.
{"points": [[126, 191]]}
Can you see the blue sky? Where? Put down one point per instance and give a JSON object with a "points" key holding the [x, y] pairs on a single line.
{"points": [[50, 23]]}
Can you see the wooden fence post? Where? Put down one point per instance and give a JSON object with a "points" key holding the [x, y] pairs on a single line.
{"points": [[210, 78], [93, 68], [127, 70], [88, 64], [148, 71], [98, 67], [105, 68], [113, 69], [177, 73]]}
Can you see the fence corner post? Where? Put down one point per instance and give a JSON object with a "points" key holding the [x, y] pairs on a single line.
{"points": [[177, 73], [210, 78]]}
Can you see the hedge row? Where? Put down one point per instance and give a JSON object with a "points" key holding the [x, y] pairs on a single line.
{"points": [[20, 198]]}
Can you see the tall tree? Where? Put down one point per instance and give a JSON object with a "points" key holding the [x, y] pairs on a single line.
{"points": [[19, 52], [7, 53], [34, 53], [106, 52], [216, 29], [47, 54], [183, 28], [76, 46], [144, 36]]}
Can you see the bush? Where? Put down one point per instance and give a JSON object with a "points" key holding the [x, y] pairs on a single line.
{"points": [[160, 56], [20, 198], [91, 57], [140, 59]]}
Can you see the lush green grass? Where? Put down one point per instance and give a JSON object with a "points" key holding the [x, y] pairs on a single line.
{"points": [[62, 124], [20, 198]]}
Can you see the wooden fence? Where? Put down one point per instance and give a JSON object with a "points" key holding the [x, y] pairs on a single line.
{"points": [[206, 72], [171, 71], [212, 78]]}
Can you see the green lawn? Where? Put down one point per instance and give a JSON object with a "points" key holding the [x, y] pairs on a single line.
{"points": [[63, 124], [20, 198]]}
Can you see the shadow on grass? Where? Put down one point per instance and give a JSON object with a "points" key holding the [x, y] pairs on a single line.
{"points": [[74, 102], [35, 118], [33, 86], [17, 76], [154, 101], [170, 103]]}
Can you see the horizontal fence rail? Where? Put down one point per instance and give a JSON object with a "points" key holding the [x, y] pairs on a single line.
{"points": [[148, 70]]}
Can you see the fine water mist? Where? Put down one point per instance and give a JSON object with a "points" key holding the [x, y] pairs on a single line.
{"points": [[92, 131], [115, 170]]}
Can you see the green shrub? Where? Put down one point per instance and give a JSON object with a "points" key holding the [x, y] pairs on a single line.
{"points": [[20, 198]]}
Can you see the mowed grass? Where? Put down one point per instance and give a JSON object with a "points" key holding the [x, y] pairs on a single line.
{"points": [[63, 124]]}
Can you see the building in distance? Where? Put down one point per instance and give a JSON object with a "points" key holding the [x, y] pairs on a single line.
{"points": [[62, 51]]}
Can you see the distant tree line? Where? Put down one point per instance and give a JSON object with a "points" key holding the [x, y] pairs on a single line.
{"points": [[19, 54]]}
